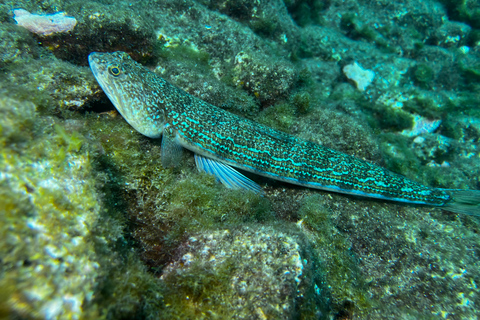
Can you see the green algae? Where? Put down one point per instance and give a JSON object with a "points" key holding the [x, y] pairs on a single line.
{"points": [[201, 192], [269, 80], [50, 84], [168, 203], [280, 116], [465, 104], [200, 292], [185, 53], [50, 202], [126, 289], [463, 10], [399, 156], [302, 102], [60, 248], [423, 75], [238, 265], [197, 203], [165, 213], [393, 119], [141, 199], [333, 249], [426, 106], [168, 207], [306, 12]]}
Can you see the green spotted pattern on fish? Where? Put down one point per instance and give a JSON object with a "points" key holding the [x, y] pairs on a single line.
{"points": [[222, 140]]}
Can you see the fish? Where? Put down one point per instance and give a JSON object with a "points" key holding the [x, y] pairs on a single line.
{"points": [[223, 142]]}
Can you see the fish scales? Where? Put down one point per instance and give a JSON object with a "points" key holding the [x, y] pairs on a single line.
{"points": [[153, 106], [244, 143]]}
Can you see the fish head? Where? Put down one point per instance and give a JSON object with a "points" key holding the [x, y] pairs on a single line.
{"points": [[128, 85]]}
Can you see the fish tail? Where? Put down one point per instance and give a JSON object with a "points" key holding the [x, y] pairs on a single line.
{"points": [[463, 201]]}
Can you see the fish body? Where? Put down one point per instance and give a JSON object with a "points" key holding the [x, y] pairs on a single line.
{"points": [[222, 140]]}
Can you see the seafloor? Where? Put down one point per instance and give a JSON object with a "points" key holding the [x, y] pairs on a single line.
{"points": [[92, 226]]}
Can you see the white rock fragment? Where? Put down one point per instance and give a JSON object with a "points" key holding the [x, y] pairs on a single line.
{"points": [[44, 24], [421, 125], [360, 76], [52, 309], [419, 140]]}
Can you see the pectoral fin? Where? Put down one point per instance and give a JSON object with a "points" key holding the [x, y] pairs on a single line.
{"points": [[171, 150], [230, 177]]}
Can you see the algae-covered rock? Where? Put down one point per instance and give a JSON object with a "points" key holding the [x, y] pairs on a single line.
{"points": [[49, 204], [49, 83], [269, 19], [59, 237], [265, 80], [262, 272], [30, 72], [92, 226], [16, 44]]}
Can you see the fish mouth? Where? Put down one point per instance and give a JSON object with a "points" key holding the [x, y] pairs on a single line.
{"points": [[99, 70], [95, 63]]}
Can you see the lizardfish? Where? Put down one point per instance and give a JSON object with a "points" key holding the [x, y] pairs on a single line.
{"points": [[222, 141]]}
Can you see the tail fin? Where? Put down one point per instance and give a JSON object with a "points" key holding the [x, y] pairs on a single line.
{"points": [[463, 201]]}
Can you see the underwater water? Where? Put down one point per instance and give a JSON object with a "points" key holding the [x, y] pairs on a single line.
{"points": [[93, 226]]}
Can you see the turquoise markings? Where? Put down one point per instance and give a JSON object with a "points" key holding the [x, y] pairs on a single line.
{"points": [[221, 139]]}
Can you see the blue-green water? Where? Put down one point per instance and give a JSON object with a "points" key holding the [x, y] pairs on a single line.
{"points": [[92, 226]]}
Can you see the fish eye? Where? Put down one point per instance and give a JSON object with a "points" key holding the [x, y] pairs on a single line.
{"points": [[114, 70]]}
